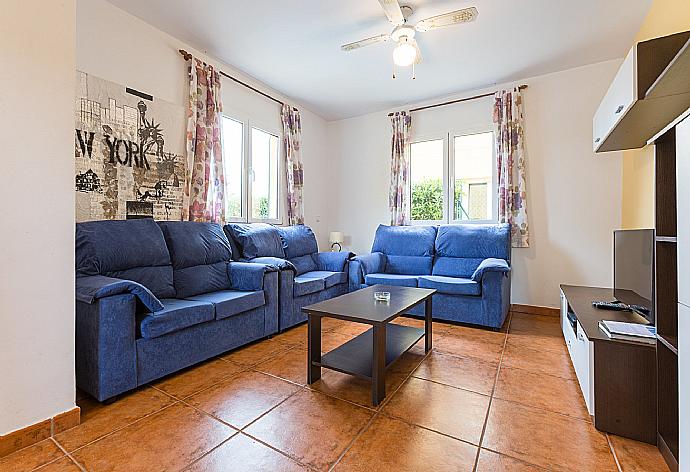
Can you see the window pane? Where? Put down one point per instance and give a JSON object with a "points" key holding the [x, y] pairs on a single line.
{"points": [[473, 176], [264, 175], [426, 179], [233, 145]]}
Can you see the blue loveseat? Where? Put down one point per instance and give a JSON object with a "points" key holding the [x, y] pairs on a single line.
{"points": [[306, 275], [468, 265], [153, 298]]}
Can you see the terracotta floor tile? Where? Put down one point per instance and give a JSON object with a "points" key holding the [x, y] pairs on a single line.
{"points": [[241, 453], [635, 456], [196, 378], [31, 457], [311, 427], [331, 324], [296, 336], [445, 409], [289, 365], [535, 324], [541, 391], [541, 342], [330, 341], [98, 419], [538, 437], [465, 372], [543, 362], [255, 353], [62, 465], [242, 398], [483, 335], [393, 445], [352, 329], [168, 440], [492, 462], [488, 349]]}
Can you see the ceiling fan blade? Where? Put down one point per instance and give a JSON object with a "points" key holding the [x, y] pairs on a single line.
{"points": [[447, 19], [393, 11], [418, 59], [365, 42]]}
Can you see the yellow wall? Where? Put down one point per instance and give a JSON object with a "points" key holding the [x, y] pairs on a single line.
{"points": [[664, 17]]}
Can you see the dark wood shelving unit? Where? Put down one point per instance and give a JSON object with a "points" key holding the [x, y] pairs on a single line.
{"points": [[666, 296]]}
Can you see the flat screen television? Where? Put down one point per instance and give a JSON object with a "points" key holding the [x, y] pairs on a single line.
{"points": [[633, 270]]}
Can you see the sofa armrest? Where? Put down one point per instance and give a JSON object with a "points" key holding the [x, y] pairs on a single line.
{"points": [[490, 265], [365, 264], [278, 263], [105, 345], [94, 287], [332, 261], [248, 276]]}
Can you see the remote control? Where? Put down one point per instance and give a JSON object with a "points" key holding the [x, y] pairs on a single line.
{"points": [[611, 306]]}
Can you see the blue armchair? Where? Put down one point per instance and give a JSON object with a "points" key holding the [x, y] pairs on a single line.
{"points": [[468, 265], [306, 275], [155, 298]]}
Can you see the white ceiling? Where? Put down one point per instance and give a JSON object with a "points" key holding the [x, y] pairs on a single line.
{"points": [[294, 45]]}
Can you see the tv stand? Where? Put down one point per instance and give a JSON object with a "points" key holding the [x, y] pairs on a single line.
{"points": [[617, 378]]}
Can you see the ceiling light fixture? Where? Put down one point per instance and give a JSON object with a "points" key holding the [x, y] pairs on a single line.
{"points": [[404, 53]]}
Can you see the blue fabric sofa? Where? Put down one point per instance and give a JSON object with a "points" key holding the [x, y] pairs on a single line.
{"points": [[153, 298], [468, 265], [306, 275]]}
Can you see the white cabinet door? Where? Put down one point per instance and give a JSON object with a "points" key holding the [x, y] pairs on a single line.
{"points": [[620, 96], [684, 385], [683, 207]]}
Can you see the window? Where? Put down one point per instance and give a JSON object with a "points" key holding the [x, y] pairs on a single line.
{"points": [[252, 172], [452, 179]]}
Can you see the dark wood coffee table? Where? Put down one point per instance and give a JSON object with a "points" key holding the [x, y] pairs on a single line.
{"points": [[369, 354]]}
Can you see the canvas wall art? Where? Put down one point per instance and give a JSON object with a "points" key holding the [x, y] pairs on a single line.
{"points": [[129, 153]]}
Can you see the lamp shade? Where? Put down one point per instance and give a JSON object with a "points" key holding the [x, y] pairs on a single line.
{"points": [[335, 237]]}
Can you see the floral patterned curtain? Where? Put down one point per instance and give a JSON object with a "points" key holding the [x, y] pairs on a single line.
{"points": [[511, 162], [398, 200], [292, 137], [204, 195]]}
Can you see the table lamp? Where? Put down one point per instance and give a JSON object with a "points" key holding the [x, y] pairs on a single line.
{"points": [[336, 239]]}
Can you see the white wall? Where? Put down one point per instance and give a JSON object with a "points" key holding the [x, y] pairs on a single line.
{"points": [[574, 198], [114, 45], [37, 214]]}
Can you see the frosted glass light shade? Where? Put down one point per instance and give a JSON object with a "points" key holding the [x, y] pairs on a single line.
{"points": [[404, 54]]}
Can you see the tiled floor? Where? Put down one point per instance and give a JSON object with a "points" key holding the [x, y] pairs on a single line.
{"points": [[481, 400]]}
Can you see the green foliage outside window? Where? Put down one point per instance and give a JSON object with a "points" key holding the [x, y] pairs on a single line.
{"points": [[261, 208], [427, 200]]}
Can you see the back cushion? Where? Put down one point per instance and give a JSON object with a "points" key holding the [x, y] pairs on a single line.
{"points": [[461, 248], [303, 264], [298, 240], [200, 253], [257, 240], [125, 249], [409, 249]]}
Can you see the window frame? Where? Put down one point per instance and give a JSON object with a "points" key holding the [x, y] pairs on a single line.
{"points": [[448, 178], [248, 124]]}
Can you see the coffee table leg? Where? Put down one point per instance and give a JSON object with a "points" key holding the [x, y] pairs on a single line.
{"points": [[427, 325], [314, 349], [378, 368]]}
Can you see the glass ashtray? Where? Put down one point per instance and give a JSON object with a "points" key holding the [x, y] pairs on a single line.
{"points": [[382, 296]]}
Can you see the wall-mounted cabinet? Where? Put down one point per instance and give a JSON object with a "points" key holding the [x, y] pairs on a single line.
{"points": [[649, 91]]}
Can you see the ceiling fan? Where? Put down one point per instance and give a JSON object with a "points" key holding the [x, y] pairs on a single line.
{"points": [[406, 52]]}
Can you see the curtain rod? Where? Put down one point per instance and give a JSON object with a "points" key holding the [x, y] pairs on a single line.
{"points": [[521, 87], [188, 56]]}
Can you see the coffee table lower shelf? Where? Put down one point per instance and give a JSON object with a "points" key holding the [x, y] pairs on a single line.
{"points": [[355, 356]]}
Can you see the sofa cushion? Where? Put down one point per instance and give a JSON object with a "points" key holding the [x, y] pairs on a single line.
{"points": [[474, 241], [391, 279], [455, 266], [329, 278], [303, 264], [405, 240], [200, 254], [450, 285], [257, 240], [177, 314], [304, 285], [409, 265], [230, 302], [297, 240], [125, 249]]}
